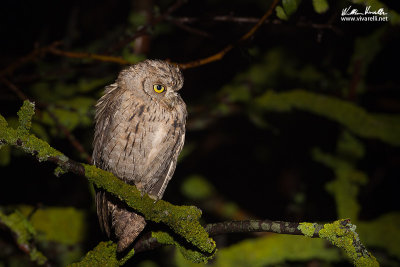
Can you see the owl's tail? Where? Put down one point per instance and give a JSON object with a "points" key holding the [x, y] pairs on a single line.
{"points": [[118, 221], [127, 226]]}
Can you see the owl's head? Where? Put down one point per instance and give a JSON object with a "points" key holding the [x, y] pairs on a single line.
{"points": [[154, 79]]}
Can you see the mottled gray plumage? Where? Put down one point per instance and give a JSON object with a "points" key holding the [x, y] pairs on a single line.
{"points": [[138, 136]]}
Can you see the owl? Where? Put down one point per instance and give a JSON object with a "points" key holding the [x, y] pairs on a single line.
{"points": [[139, 133]]}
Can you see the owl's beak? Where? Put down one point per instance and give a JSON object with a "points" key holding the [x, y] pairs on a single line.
{"points": [[171, 94], [171, 98]]}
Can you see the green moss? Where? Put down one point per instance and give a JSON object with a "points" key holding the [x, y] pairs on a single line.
{"points": [[24, 232], [183, 220], [104, 254], [127, 257], [342, 234], [197, 187], [308, 229], [25, 115], [29, 143], [59, 171]]}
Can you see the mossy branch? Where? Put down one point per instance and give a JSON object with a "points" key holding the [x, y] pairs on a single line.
{"points": [[183, 220], [24, 234], [340, 233]]}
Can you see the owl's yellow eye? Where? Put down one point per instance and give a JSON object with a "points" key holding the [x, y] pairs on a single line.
{"points": [[158, 88]]}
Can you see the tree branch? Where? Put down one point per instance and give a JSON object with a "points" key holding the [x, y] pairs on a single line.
{"points": [[224, 51], [340, 233], [82, 55], [105, 58], [183, 220]]}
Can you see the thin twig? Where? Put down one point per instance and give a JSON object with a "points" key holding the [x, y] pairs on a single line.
{"points": [[224, 51], [147, 242], [251, 226], [82, 55]]}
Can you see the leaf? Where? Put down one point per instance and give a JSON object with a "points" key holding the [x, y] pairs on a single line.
{"points": [[320, 6], [280, 13], [290, 6]]}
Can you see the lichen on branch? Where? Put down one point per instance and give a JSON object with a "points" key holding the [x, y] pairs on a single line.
{"points": [[342, 234], [183, 220]]}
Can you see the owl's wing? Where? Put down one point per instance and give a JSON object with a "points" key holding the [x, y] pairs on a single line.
{"points": [[105, 110], [164, 173], [103, 118]]}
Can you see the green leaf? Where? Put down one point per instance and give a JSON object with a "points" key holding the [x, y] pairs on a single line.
{"points": [[280, 13], [290, 6], [320, 6], [197, 187]]}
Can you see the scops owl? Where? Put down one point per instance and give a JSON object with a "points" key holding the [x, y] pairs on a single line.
{"points": [[139, 133]]}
